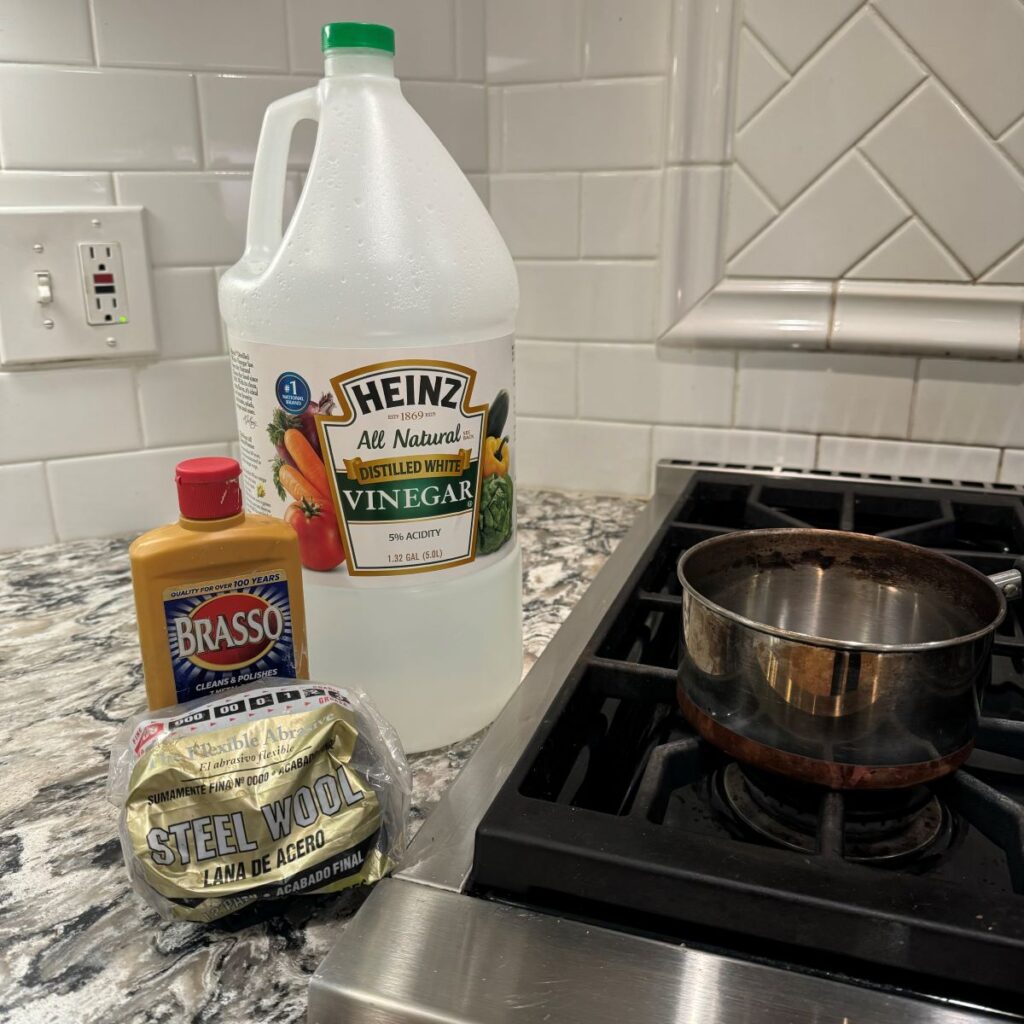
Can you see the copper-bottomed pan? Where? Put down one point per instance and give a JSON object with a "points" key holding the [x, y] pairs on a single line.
{"points": [[837, 658]]}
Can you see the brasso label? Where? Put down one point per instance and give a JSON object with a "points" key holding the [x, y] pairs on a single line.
{"points": [[227, 632], [408, 452]]}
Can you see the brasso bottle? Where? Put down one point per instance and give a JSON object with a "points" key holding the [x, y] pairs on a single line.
{"points": [[371, 349]]}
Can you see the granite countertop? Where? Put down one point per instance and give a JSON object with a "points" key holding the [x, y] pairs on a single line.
{"points": [[78, 944]]}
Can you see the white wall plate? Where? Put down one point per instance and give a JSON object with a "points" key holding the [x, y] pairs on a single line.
{"points": [[47, 305]]}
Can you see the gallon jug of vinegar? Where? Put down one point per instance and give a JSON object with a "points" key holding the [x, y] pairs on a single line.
{"points": [[371, 350]]}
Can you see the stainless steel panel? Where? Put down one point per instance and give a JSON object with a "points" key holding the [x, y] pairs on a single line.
{"points": [[418, 954], [442, 852]]}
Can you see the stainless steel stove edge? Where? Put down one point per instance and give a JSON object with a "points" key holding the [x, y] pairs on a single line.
{"points": [[420, 950], [442, 852], [416, 954]]}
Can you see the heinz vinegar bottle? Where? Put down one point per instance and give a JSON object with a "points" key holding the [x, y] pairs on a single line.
{"points": [[371, 347]]}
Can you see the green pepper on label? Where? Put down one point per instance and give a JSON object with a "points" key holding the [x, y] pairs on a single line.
{"points": [[497, 505]]}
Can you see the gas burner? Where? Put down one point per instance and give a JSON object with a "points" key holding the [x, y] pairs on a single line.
{"points": [[881, 827]]}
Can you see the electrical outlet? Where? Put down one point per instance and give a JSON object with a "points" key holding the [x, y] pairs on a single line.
{"points": [[106, 297], [74, 285]]}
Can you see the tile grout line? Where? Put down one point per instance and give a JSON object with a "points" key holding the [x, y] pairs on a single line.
{"points": [[200, 121], [833, 301], [51, 506], [1013, 126], [912, 404], [579, 215], [999, 464], [94, 38], [286, 32]]}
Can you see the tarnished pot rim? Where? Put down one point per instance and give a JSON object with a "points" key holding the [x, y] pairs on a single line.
{"points": [[819, 641]]}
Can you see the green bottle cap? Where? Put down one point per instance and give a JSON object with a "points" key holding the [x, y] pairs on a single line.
{"points": [[357, 34]]}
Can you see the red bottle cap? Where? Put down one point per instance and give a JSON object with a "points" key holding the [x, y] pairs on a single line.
{"points": [[208, 488]]}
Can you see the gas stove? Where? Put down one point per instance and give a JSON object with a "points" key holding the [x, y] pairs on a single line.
{"points": [[597, 859]]}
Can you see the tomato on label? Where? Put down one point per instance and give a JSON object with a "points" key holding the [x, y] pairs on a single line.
{"points": [[320, 546]]}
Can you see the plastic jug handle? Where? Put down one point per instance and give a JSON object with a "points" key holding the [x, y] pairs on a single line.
{"points": [[263, 234]]}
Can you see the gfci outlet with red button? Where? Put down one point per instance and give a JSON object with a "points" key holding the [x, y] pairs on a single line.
{"points": [[106, 297], [74, 285]]}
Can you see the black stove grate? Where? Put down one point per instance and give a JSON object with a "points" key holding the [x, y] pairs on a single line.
{"points": [[611, 813]]}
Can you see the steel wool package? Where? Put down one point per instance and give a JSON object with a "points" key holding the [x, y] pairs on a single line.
{"points": [[263, 792]]}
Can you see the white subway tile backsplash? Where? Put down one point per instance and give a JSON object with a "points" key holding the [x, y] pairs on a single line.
{"points": [[629, 383], [621, 213], [81, 119], [749, 210], [577, 455], [46, 188], [1011, 470], [187, 401], [607, 301], [457, 114], [226, 34], [825, 392], [904, 458], [825, 231], [691, 257], [546, 378], [583, 125], [118, 495], [912, 254], [187, 315], [759, 76], [495, 129], [49, 31], [625, 37], [470, 51], [49, 413], [969, 402], [538, 215], [1013, 143], [424, 40], [26, 521], [794, 29], [740, 447], [988, 75], [1009, 270], [827, 107], [700, 106], [930, 319], [232, 109], [905, 147], [533, 40], [482, 184], [193, 218]]}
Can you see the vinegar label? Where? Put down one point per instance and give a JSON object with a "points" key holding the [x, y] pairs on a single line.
{"points": [[403, 464]]}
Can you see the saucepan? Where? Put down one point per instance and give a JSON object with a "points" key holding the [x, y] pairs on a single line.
{"points": [[842, 659]]}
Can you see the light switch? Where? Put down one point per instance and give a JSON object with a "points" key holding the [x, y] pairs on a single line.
{"points": [[44, 288], [74, 285]]}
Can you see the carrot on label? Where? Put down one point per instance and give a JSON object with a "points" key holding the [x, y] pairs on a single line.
{"points": [[306, 460], [299, 487]]}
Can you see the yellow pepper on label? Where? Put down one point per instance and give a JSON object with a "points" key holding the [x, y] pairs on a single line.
{"points": [[495, 456]]}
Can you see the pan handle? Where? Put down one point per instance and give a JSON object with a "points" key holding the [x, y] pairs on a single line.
{"points": [[1009, 582]]}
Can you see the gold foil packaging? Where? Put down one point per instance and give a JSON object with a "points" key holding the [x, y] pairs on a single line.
{"points": [[263, 792]]}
